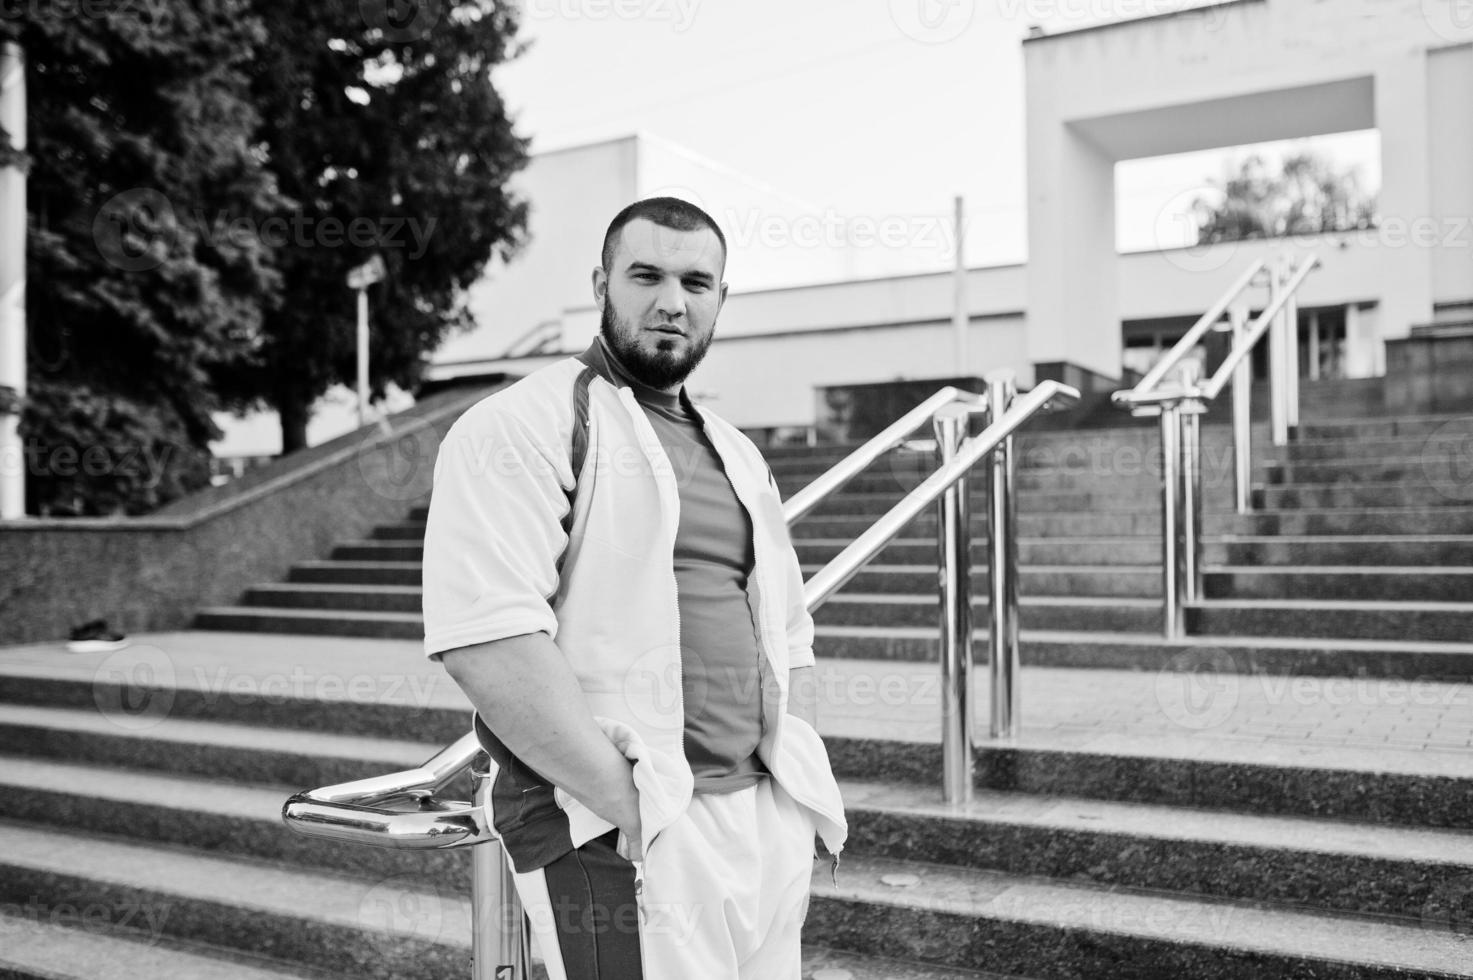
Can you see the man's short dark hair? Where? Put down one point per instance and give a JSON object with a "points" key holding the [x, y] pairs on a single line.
{"points": [[667, 212]]}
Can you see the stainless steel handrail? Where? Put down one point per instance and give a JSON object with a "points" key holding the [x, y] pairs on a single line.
{"points": [[359, 811], [1204, 325], [847, 563], [1180, 407], [882, 442], [401, 809]]}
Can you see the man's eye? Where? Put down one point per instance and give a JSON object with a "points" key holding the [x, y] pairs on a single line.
{"points": [[696, 286]]}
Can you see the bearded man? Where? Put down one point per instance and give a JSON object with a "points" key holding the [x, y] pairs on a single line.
{"points": [[609, 578]]}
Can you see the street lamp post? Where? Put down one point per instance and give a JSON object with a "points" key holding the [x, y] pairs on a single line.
{"points": [[12, 285], [360, 278]]}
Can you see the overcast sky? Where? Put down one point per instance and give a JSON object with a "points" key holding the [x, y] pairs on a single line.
{"points": [[868, 107]]}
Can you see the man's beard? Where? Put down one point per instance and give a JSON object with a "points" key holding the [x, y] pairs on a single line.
{"points": [[663, 368]]}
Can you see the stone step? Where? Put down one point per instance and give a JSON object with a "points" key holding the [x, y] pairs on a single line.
{"points": [[369, 572], [1117, 479], [1450, 622], [1391, 785], [872, 609], [1382, 583], [1354, 496], [187, 812], [1438, 442], [395, 927], [1129, 845], [328, 925], [1126, 581], [341, 597], [390, 563], [1014, 923], [216, 750], [317, 622], [1191, 732], [385, 550], [1117, 524], [1375, 583], [1288, 861], [341, 921], [1115, 614], [59, 943], [1098, 650], [1447, 549], [1363, 521], [914, 549], [1434, 470], [1082, 502], [1380, 428], [1365, 869], [401, 531]]}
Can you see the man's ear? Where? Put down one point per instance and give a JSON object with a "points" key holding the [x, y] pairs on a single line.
{"points": [[600, 286], [721, 299]]}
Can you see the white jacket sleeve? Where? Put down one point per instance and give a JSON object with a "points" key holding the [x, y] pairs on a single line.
{"points": [[800, 623], [493, 534]]}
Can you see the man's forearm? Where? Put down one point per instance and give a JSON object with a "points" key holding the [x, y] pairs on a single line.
{"points": [[527, 695]]}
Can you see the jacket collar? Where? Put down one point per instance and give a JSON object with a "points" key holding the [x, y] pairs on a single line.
{"points": [[598, 356]]}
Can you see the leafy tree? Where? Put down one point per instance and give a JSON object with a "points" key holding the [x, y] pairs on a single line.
{"points": [[1305, 194], [134, 110], [390, 137]]}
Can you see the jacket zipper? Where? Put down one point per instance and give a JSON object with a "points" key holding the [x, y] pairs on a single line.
{"points": [[644, 844]]}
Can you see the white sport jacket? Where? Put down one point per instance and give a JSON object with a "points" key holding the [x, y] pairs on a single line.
{"points": [[499, 563]]}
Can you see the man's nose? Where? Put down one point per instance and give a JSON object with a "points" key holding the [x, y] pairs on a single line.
{"points": [[671, 300]]}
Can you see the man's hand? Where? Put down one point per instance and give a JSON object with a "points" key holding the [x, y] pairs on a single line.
{"points": [[524, 691]]}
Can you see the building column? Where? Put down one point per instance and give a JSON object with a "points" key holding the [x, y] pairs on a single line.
{"points": [[1073, 302], [1410, 231]]}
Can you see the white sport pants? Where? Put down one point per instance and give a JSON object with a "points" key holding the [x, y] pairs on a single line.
{"points": [[723, 897]]}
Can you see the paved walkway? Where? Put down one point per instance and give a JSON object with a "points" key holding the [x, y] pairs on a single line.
{"points": [[1392, 725]]}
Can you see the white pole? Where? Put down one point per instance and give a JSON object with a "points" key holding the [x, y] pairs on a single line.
{"points": [[362, 357], [959, 313], [12, 281]]}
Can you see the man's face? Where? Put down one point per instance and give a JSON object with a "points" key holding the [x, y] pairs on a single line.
{"points": [[659, 300]]}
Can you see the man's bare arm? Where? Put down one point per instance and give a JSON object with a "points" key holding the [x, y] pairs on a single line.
{"points": [[527, 695]]}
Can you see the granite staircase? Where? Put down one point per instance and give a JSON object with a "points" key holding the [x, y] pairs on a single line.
{"points": [[1286, 793]]}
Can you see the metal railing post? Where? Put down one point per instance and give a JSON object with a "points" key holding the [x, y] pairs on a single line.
{"points": [[1291, 357], [1242, 417], [500, 940], [1002, 569], [1278, 363], [1190, 410], [1171, 550], [953, 547]]}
